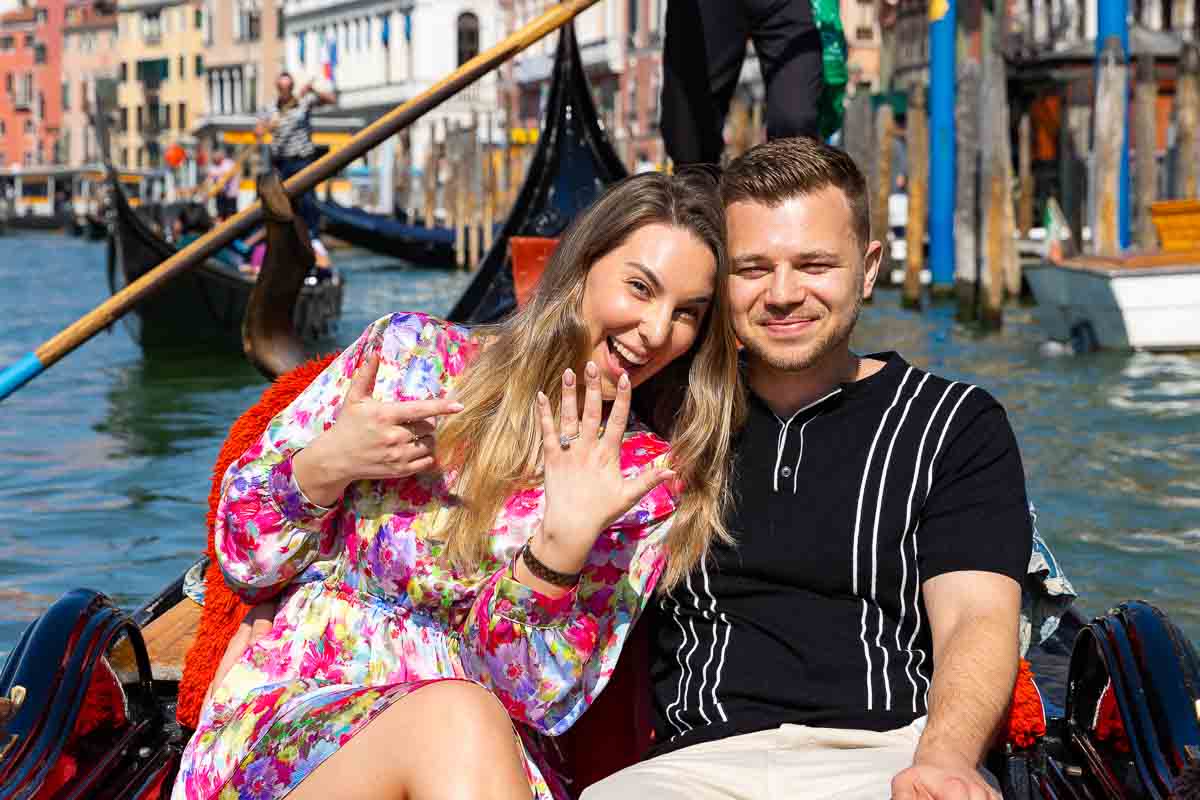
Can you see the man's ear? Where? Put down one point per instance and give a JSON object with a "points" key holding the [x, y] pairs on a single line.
{"points": [[871, 262]]}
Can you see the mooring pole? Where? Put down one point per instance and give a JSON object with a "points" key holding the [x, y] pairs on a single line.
{"points": [[942, 15], [1111, 20]]}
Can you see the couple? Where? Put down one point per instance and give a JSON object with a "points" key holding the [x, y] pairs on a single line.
{"points": [[460, 528]]}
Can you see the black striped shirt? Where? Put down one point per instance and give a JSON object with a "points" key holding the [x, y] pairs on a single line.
{"points": [[816, 617]]}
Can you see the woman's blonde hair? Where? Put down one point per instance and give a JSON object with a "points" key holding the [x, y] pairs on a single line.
{"points": [[696, 402]]}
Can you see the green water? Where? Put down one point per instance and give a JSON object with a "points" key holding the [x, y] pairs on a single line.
{"points": [[105, 459]]}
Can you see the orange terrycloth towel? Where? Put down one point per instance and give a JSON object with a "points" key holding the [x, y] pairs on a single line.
{"points": [[222, 609]]}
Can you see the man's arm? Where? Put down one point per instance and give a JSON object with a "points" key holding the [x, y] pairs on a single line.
{"points": [[973, 619]]}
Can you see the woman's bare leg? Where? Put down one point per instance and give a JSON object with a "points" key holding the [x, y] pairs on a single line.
{"points": [[448, 741]]}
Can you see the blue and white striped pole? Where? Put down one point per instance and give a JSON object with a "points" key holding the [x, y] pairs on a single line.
{"points": [[942, 150]]}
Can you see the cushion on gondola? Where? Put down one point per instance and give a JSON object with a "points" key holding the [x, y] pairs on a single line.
{"points": [[529, 257], [223, 611]]}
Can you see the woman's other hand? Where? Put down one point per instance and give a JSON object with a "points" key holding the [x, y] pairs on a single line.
{"points": [[372, 440], [585, 490], [255, 625]]}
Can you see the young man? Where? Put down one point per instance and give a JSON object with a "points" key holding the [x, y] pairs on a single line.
{"points": [[224, 172], [860, 638]]}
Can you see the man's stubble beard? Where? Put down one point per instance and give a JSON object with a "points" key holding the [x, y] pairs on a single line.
{"points": [[813, 353]]}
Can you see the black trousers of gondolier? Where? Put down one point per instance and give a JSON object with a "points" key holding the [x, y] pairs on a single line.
{"points": [[703, 53]]}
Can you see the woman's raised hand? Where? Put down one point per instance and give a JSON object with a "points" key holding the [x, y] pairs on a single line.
{"points": [[372, 439], [585, 490]]}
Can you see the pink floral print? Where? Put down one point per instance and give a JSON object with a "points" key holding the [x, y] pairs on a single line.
{"points": [[369, 611]]}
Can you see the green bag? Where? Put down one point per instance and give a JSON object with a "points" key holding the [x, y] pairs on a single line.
{"points": [[831, 104]]}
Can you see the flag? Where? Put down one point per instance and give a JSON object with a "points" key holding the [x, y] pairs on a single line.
{"points": [[300, 47], [329, 58], [384, 30], [408, 26]]}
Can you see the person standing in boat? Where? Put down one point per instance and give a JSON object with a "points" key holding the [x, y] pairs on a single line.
{"points": [[224, 173], [292, 148], [458, 553], [860, 638], [703, 49]]}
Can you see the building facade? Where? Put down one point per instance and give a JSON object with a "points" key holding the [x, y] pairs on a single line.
{"points": [[377, 54], [162, 90], [244, 54], [31, 64], [89, 54]]}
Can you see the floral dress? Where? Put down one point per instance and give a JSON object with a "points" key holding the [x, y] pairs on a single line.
{"points": [[369, 612]]}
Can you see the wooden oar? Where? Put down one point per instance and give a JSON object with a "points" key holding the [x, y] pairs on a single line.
{"points": [[33, 364]]}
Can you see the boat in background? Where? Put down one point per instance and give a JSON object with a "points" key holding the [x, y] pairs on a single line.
{"points": [[420, 246], [204, 306], [1135, 302]]}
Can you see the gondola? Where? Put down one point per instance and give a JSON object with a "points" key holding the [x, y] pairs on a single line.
{"points": [[204, 308], [96, 709], [416, 244]]}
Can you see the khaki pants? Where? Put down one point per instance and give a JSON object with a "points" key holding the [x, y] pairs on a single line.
{"points": [[792, 761]]}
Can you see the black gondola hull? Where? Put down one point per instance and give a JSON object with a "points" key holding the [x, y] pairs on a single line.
{"points": [[422, 247], [203, 307]]}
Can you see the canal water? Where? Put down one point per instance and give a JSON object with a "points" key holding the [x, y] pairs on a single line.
{"points": [[105, 459]]}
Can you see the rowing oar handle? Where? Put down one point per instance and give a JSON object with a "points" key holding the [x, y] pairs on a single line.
{"points": [[17, 375]]}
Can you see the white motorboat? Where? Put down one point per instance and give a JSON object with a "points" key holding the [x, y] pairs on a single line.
{"points": [[1136, 302]]}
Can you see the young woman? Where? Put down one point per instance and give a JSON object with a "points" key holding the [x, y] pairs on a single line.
{"points": [[461, 553]]}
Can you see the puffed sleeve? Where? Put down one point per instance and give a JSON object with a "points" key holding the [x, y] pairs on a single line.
{"points": [[267, 531], [547, 658]]}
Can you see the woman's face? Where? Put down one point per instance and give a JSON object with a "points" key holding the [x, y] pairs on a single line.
{"points": [[644, 302]]}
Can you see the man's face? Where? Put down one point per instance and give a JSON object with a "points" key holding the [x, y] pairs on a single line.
{"points": [[799, 277], [284, 86]]}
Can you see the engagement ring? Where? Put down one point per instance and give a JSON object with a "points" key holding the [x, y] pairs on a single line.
{"points": [[564, 441]]}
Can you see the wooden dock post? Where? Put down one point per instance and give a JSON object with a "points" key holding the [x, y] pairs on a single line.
{"points": [[458, 180], [994, 176], [1025, 160], [489, 186], [429, 180], [966, 190], [474, 194], [859, 133], [1109, 138], [1145, 132], [1187, 115], [885, 132], [918, 187]]}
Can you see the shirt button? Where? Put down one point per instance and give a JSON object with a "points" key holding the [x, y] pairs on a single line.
{"points": [[786, 472]]}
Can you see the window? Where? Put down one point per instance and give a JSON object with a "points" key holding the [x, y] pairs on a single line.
{"points": [[2, 130], [166, 116], [631, 11], [182, 117], [8, 83], [182, 67], [39, 53], [123, 72], [279, 22], [29, 40], [199, 19], [40, 16], [6, 43], [66, 95], [199, 65], [29, 126], [152, 26], [863, 33], [41, 105], [468, 37], [141, 122], [248, 24], [24, 91]]}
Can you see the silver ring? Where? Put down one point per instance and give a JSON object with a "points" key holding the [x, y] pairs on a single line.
{"points": [[564, 441]]}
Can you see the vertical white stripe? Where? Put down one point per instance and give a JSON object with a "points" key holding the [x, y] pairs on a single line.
{"points": [[720, 666], [862, 490], [710, 614], [687, 686], [916, 563], [704, 669], [679, 659], [800, 457], [887, 460], [908, 509]]}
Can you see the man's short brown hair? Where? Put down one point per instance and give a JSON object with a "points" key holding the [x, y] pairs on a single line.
{"points": [[784, 168]]}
